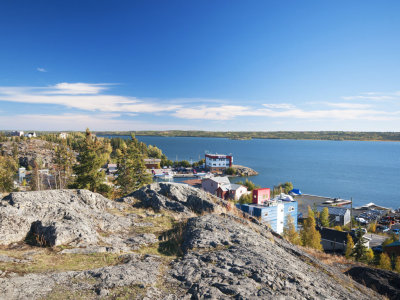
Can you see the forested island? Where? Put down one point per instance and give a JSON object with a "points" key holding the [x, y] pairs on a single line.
{"points": [[246, 135]]}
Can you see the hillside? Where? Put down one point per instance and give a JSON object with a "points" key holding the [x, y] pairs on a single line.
{"points": [[164, 241]]}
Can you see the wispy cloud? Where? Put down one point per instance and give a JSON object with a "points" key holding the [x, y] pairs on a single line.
{"points": [[41, 70], [374, 96], [348, 105], [84, 96], [279, 105]]}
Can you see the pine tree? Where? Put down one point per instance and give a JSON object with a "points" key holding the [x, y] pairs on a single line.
{"points": [[91, 158], [360, 250], [349, 246], [290, 233], [310, 236], [8, 168], [384, 262], [63, 162], [324, 218], [397, 264], [132, 173]]}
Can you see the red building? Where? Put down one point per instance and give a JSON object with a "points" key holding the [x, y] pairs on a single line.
{"points": [[260, 196], [217, 163]]}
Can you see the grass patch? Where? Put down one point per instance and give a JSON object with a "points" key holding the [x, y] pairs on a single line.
{"points": [[50, 260], [60, 292]]}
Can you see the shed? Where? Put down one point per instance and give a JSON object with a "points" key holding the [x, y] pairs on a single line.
{"points": [[333, 240]]}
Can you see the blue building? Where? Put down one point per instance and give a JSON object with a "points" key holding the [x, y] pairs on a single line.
{"points": [[274, 213]]}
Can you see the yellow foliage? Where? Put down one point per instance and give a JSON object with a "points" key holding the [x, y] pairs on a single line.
{"points": [[384, 262]]}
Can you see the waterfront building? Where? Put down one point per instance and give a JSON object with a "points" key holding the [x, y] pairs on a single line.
{"points": [[218, 163], [272, 212], [231, 191], [152, 163]]}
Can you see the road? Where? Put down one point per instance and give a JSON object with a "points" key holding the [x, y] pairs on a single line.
{"points": [[376, 239]]}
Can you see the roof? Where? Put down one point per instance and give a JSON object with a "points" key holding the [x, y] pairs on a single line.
{"points": [[220, 180], [152, 160], [337, 211], [333, 235], [111, 165], [230, 187]]}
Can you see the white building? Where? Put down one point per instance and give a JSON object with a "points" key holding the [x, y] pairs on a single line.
{"points": [[63, 135], [217, 163]]}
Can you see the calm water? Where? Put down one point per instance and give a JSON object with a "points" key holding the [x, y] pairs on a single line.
{"points": [[366, 171]]}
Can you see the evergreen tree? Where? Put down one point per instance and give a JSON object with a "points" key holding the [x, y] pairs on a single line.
{"points": [[384, 262], [8, 168], [324, 218], [90, 159], [36, 178], [290, 233], [132, 173], [360, 250], [310, 236], [349, 247], [63, 162]]}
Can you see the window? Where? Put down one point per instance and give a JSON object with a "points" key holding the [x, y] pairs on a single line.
{"points": [[265, 214], [291, 208]]}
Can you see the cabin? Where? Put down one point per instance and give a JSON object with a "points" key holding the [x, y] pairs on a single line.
{"points": [[152, 163], [333, 240]]}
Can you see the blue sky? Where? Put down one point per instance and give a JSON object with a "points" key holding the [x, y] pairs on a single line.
{"points": [[205, 65]]}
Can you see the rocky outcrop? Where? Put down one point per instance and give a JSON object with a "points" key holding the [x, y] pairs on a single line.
{"points": [[220, 255], [225, 258], [244, 171], [177, 197], [59, 217], [384, 282]]}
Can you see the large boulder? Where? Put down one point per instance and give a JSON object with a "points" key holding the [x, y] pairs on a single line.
{"points": [[177, 197], [57, 217]]}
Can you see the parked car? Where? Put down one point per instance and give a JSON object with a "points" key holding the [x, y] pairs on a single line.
{"points": [[354, 230]]}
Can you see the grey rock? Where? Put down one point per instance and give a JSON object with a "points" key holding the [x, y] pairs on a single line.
{"points": [[178, 198], [58, 217], [225, 258]]}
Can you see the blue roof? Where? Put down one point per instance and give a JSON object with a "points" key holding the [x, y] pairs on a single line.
{"points": [[337, 211], [295, 191]]}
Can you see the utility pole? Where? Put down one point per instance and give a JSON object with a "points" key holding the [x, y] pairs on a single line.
{"points": [[351, 213]]}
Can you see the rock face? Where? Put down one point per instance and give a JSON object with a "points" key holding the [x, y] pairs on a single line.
{"points": [[59, 217], [224, 255], [382, 281], [178, 198], [224, 258]]}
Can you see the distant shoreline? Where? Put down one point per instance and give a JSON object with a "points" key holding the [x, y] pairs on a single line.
{"points": [[282, 135]]}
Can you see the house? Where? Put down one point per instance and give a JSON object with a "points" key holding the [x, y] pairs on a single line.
{"points": [[337, 215], [333, 240], [231, 191], [21, 174], [17, 133], [152, 163], [212, 184], [31, 134], [112, 168], [218, 163], [63, 135], [273, 213], [393, 248]]}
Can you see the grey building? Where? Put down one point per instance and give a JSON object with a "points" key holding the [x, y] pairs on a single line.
{"points": [[337, 215]]}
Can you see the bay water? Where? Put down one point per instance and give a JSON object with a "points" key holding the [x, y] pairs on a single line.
{"points": [[365, 171]]}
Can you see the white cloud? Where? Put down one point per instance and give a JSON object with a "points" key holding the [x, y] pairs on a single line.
{"points": [[84, 96], [279, 105], [348, 105], [41, 70], [79, 122]]}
